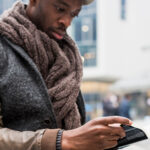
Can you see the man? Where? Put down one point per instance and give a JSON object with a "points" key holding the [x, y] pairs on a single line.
{"points": [[40, 75]]}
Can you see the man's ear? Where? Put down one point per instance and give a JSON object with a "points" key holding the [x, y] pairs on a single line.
{"points": [[31, 8], [33, 2]]}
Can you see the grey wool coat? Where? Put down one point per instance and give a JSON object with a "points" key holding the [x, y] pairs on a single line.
{"points": [[25, 103]]}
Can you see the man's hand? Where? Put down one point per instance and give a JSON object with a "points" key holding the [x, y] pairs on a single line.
{"points": [[97, 134]]}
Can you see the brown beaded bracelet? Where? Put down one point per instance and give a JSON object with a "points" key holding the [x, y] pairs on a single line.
{"points": [[58, 139]]}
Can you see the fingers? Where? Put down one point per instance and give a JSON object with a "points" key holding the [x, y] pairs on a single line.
{"points": [[118, 131], [113, 119], [109, 144], [109, 131], [113, 137], [109, 141]]}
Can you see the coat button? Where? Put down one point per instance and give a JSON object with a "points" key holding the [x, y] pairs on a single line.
{"points": [[47, 121]]}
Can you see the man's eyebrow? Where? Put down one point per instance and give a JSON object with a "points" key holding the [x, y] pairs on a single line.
{"points": [[62, 2]]}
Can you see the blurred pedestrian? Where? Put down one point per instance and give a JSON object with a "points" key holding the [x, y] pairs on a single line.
{"points": [[124, 109], [111, 105]]}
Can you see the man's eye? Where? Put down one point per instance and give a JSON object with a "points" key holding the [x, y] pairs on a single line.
{"points": [[60, 9]]}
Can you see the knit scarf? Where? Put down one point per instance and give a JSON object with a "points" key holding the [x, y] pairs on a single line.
{"points": [[61, 68]]}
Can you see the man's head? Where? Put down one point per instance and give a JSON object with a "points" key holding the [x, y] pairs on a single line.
{"points": [[54, 16]]}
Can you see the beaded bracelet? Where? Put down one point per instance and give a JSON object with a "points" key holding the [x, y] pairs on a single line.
{"points": [[58, 139]]}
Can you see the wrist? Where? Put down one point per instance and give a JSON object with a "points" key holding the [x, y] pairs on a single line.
{"points": [[66, 141]]}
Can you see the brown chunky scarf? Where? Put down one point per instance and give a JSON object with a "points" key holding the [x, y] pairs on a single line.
{"points": [[61, 68]]}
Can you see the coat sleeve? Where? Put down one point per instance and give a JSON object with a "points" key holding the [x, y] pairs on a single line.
{"points": [[44, 139]]}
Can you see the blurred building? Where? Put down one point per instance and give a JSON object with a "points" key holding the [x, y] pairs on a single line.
{"points": [[114, 39]]}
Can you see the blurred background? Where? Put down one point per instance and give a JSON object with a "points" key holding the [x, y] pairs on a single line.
{"points": [[114, 39]]}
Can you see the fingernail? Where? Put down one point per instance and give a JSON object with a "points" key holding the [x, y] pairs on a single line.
{"points": [[123, 135], [130, 122]]}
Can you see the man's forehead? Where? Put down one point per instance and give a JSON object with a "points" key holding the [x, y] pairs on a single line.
{"points": [[63, 2]]}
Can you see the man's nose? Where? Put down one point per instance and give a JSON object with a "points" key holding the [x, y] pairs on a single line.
{"points": [[65, 21]]}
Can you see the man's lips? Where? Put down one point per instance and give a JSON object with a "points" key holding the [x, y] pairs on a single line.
{"points": [[58, 36]]}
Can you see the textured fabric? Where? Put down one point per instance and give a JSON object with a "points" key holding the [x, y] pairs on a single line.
{"points": [[26, 105], [19, 110], [49, 139], [1, 122], [60, 66], [16, 140]]}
